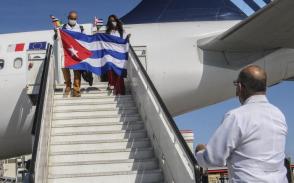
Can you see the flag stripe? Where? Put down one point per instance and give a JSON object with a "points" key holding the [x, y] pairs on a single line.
{"points": [[101, 61], [97, 37], [104, 52], [98, 70], [101, 45]]}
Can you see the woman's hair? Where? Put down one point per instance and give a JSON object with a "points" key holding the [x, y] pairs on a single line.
{"points": [[119, 27]]}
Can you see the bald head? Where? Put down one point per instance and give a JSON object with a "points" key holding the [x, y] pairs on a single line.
{"points": [[72, 15], [254, 79]]}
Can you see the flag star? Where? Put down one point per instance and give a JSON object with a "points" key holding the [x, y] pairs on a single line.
{"points": [[73, 51]]}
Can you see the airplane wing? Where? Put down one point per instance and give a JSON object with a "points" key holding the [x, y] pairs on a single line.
{"points": [[270, 28]]}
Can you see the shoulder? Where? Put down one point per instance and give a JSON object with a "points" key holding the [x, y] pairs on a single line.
{"points": [[78, 26], [277, 111], [64, 26], [250, 111], [236, 115], [231, 117], [243, 110], [236, 112]]}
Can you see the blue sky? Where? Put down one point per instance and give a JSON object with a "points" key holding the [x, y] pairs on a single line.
{"points": [[29, 15]]}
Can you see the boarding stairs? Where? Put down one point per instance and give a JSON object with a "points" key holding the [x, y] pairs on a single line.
{"points": [[100, 137]]}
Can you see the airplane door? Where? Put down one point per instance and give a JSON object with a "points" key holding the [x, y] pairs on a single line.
{"points": [[141, 52], [35, 69]]}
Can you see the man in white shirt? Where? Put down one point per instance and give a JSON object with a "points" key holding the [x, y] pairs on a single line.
{"points": [[72, 25], [251, 139]]}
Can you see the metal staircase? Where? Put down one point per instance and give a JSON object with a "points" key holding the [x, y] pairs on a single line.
{"points": [[99, 138]]}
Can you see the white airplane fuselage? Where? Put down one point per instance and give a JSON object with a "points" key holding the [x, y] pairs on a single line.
{"points": [[186, 77]]}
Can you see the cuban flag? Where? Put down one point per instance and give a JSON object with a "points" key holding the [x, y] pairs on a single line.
{"points": [[98, 22], [94, 53]]}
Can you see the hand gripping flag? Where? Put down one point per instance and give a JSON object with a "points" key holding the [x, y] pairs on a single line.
{"points": [[56, 22], [97, 53], [74, 52]]}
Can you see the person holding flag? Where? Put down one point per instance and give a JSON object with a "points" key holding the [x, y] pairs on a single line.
{"points": [[114, 27], [98, 54], [73, 26]]}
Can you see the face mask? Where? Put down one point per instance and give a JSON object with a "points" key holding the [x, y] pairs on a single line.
{"points": [[114, 24], [72, 22]]}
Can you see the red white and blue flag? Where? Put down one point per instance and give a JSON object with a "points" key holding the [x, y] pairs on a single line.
{"points": [[94, 53], [98, 22]]}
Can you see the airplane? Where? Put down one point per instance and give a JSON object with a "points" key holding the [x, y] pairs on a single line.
{"points": [[194, 50]]}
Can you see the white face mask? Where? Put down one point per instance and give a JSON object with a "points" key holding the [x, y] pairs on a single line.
{"points": [[114, 24], [72, 22]]}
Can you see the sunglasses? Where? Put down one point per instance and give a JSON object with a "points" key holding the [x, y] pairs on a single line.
{"points": [[73, 18], [236, 82]]}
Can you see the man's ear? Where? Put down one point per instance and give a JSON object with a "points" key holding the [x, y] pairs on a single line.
{"points": [[239, 89], [240, 86]]}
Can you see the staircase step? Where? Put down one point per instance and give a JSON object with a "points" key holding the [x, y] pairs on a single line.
{"points": [[96, 86], [113, 105], [93, 102], [97, 135], [102, 166], [97, 119], [97, 100], [91, 109], [89, 90], [93, 97], [88, 93], [95, 112], [97, 128], [100, 155], [93, 91], [119, 125], [150, 176], [99, 145], [94, 116]]}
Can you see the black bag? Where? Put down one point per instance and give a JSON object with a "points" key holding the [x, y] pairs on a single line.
{"points": [[88, 77]]}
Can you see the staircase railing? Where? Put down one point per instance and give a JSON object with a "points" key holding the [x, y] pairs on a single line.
{"points": [[176, 159], [41, 125]]}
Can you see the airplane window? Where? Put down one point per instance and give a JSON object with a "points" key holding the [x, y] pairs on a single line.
{"points": [[17, 63], [1, 64]]}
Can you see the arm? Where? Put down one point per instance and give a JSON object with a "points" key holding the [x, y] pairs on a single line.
{"points": [[128, 37], [55, 34], [223, 142]]}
